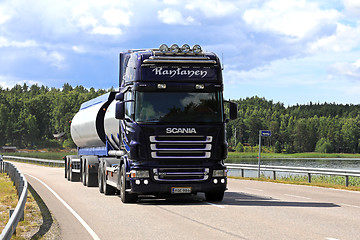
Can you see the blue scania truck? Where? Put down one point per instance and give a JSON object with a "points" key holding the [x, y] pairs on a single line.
{"points": [[161, 133]]}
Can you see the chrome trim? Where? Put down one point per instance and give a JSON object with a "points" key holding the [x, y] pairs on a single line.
{"points": [[179, 61], [153, 139], [154, 148], [154, 155], [173, 172]]}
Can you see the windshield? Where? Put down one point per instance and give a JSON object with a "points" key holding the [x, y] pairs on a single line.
{"points": [[178, 107]]}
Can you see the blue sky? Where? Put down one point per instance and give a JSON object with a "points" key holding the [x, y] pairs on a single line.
{"points": [[289, 51]]}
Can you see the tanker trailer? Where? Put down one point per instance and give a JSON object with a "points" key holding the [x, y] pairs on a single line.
{"points": [[163, 131]]}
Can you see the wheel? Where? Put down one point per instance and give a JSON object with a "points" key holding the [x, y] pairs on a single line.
{"points": [[100, 178], [108, 190], [125, 196], [214, 196]]}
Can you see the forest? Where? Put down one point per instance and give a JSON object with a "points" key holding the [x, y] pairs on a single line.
{"points": [[31, 115]]}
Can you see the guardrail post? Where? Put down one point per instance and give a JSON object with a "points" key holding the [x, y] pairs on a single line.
{"points": [[242, 173], [274, 175], [346, 181], [309, 177], [11, 211]]}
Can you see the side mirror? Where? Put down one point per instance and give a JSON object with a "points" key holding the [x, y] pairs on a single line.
{"points": [[120, 110], [119, 97], [233, 110]]}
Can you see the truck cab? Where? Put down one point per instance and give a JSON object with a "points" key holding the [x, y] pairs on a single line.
{"points": [[164, 130]]}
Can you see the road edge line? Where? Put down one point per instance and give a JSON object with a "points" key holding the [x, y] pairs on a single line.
{"points": [[77, 216]]}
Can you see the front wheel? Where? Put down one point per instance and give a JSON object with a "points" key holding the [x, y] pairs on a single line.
{"points": [[214, 196], [125, 196]]}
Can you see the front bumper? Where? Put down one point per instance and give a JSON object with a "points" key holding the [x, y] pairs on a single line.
{"points": [[150, 187]]}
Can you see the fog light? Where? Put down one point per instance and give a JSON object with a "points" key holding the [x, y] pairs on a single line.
{"points": [[215, 181], [139, 174], [199, 86], [220, 173], [146, 182], [137, 182], [161, 86]]}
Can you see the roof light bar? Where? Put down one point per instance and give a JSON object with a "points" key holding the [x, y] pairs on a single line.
{"points": [[185, 49]]}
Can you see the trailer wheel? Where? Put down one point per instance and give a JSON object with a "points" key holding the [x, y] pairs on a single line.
{"points": [[108, 190], [125, 196], [214, 196]]}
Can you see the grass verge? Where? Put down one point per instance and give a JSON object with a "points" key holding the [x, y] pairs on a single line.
{"points": [[336, 182], [38, 222]]}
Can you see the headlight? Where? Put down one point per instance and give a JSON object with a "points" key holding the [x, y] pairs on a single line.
{"points": [[139, 174], [220, 173]]}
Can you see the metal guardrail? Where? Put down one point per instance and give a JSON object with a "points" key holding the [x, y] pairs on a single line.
{"points": [[49, 162], [22, 186], [308, 171]]}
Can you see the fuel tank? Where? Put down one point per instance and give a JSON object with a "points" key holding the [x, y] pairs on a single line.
{"points": [[88, 125]]}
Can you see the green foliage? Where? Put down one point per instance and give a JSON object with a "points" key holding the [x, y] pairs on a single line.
{"points": [[324, 146], [239, 147], [29, 116], [296, 128]]}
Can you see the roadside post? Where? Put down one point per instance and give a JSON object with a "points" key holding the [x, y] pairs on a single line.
{"points": [[262, 133]]}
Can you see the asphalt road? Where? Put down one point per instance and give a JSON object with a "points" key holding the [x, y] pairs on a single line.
{"points": [[250, 210]]}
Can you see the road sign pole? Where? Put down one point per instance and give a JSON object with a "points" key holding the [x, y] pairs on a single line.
{"points": [[259, 154]]}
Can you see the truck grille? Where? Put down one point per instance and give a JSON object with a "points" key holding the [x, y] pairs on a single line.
{"points": [[180, 146], [181, 174]]}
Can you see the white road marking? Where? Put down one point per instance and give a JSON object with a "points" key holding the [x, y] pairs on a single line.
{"points": [[295, 196], [216, 205], [86, 226], [348, 205], [328, 238]]}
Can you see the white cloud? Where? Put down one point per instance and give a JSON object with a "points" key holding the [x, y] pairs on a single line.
{"points": [[294, 18], [345, 69], [345, 39], [4, 42], [3, 16], [55, 58], [171, 16], [78, 49], [106, 30], [353, 6], [117, 17], [10, 82], [214, 8]]}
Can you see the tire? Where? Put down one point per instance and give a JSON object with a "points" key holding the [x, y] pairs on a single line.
{"points": [[108, 190], [214, 196], [125, 196]]}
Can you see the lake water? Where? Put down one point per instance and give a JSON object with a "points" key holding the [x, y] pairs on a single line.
{"points": [[349, 164]]}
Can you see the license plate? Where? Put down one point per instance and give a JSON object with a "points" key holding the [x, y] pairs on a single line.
{"points": [[177, 190]]}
